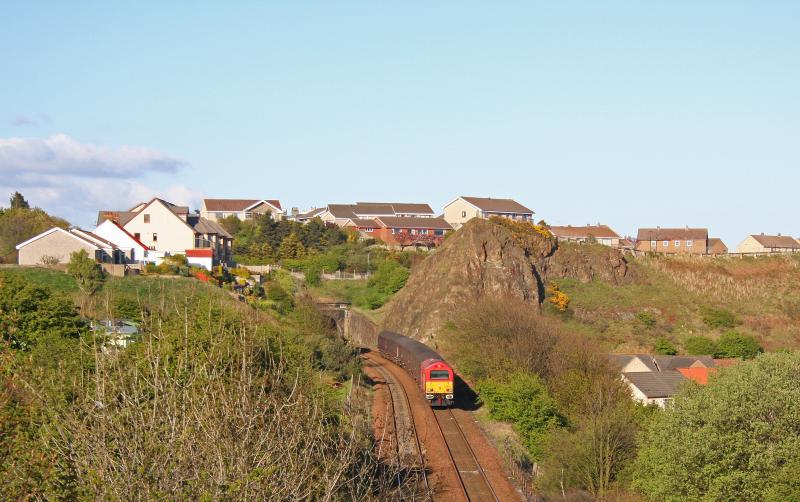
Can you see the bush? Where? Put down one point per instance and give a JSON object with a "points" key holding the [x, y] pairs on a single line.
{"points": [[719, 318], [665, 347], [522, 399], [313, 276], [733, 344], [700, 346], [647, 319]]}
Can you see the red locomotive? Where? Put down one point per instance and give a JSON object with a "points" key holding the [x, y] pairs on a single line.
{"points": [[433, 375]]}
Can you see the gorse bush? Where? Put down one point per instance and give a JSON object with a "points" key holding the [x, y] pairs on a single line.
{"points": [[700, 346]]}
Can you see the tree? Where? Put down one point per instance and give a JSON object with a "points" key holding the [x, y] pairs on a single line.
{"points": [[736, 438], [86, 272], [291, 247], [17, 201], [665, 347], [700, 346], [734, 344]]}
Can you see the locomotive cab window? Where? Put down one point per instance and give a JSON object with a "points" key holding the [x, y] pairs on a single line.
{"points": [[440, 375]]}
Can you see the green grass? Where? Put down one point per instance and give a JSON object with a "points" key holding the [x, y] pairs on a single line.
{"points": [[339, 290], [52, 279]]}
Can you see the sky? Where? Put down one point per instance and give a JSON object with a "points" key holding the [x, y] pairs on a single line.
{"points": [[634, 114]]}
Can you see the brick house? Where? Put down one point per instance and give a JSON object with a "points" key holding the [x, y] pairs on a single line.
{"points": [[462, 209], [768, 244], [716, 247], [403, 231], [602, 234], [244, 209], [673, 240]]}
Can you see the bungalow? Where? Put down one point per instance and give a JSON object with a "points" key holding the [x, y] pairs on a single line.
{"points": [[244, 209], [673, 240], [167, 229], [656, 388], [655, 379], [340, 214], [768, 244], [601, 234], [55, 246], [462, 209]]}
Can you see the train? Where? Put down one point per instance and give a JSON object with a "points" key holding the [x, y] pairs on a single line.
{"points": [[434, 377]]}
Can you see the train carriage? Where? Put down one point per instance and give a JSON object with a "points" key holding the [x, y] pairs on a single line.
{"points": [[434, 377]]}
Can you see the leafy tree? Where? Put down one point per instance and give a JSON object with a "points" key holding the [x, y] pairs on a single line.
{"points": [[736, 438], [700, 346], [719, 318], [20, 224], [291, 247], [86, 272], [231, 223], [734, 344], [665, 347], [17, 201], [522, 399]]}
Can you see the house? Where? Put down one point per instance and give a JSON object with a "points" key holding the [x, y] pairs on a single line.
{"points": [[699, 375], [340, 214], [654, 387], [55, 246], [601, 234], [462, 209], [244, 209], [168, 229], [135, 250], [673, 240], [402, 231], [768, 244], [628, 363], [716, 247], [307, 215]]}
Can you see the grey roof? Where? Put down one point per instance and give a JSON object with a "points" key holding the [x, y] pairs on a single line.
{"points": [[654, 384], [310, 213], [364, 222], [666, 363], [491, 205], [397, 207], [342, 210], [204, 226], [414, 222], [622, 360]]}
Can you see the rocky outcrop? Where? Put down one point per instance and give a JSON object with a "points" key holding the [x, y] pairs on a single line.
{"points": [[489, 259]]}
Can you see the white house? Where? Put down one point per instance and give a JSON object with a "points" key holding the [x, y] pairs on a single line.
{"points": [[654, 387], [135, 250], [769, 244], [244, 209], [462, 209], [56, 245]]}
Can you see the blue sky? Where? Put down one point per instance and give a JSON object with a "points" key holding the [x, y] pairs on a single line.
{"points": [[628, 113]]}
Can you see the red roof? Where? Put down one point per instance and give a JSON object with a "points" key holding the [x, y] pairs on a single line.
{"points": [[200, 253], [137, 241], [699, 375]]}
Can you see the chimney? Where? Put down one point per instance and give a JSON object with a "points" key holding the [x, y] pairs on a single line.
{"points": [[295, 211], [779, 234]]}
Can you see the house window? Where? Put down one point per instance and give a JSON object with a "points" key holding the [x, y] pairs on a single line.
{"points": [[137, 236], [147, 218], [155, 237], [463, 214], [677, 244], [653, 244], [666, 244], [688, 244], [423, 231], [369, 229], [438, 232], [413, 231]]}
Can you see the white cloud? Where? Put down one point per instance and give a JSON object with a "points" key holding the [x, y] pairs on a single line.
{"points": [[75, 180], [63, 155]]}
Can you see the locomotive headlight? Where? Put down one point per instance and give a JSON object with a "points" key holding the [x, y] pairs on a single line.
{"points": [[449, 396], [429, 397]]}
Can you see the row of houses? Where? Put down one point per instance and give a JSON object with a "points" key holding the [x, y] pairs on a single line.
{"points": [[149, 231]]}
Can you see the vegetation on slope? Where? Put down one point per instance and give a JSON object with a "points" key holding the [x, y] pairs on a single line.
{"points": [[19, 223], [217, 400]]}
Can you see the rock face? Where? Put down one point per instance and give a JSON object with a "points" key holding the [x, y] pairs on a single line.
{"points": [[487, 259]]}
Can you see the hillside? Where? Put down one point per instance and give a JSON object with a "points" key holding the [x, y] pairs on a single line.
{"points": [[626, 303], [497, 259]]}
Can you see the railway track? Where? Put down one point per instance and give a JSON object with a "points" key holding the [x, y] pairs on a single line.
{"points": [[474, 481], [407, 444]]}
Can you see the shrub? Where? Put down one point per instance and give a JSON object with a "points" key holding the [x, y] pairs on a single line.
{"points": [[719, 318], [558, 298], [700, 346], [647, 319], [313, 276], [523, 400], [733, 344], [665, 347]]}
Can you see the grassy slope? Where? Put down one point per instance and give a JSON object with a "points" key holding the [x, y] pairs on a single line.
{"points": [[764, 294]]}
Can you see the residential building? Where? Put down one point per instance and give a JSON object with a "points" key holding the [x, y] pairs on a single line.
{"points": [[306, 215], [340, 214], [244, 209], [654, 388], [402, 231], [601, 234], [135, 250], [699, 375], [168, 229], [716, 247], [673, 240], [768, 244], [462, 209], [55, 246]]}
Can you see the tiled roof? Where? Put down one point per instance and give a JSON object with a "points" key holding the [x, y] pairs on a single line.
{"points": [[200, 253], [364, 222], [699, 375], [622, 360], [414, 222], [376, 209], [342, 210], [120, 217], [204, 226], [85, 233], [596, 231], [777, 241], [311, 213], [655, 384], [668, 234], [674, 362], [235, 204], [716, 246], [399, 207], [491, 205]]}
